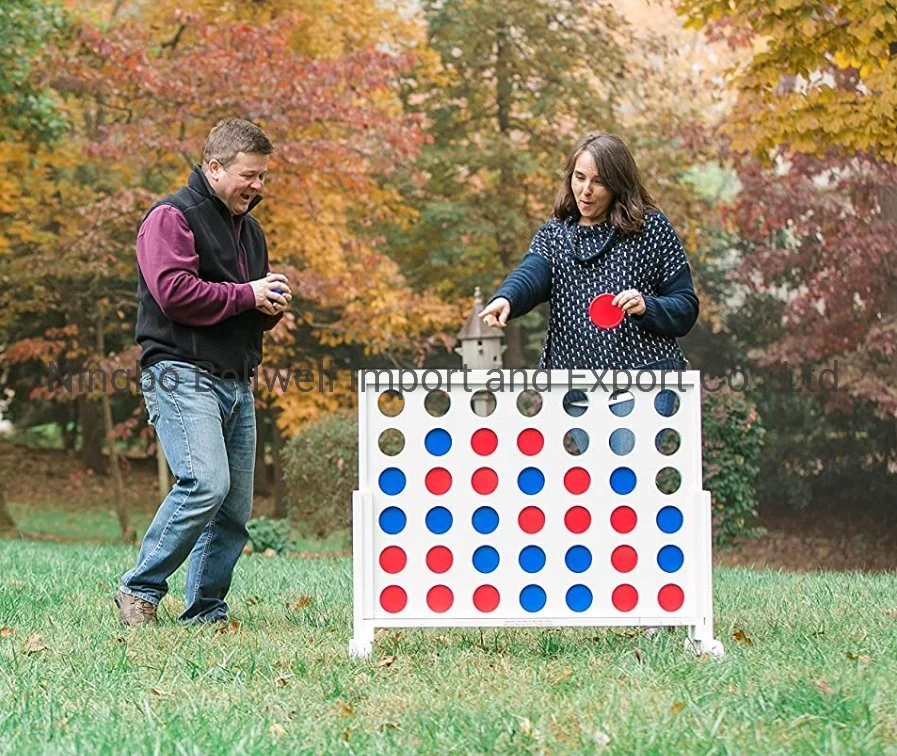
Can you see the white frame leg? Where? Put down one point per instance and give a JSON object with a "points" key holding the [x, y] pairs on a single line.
{"points": [[700, 638], [362, 643]]}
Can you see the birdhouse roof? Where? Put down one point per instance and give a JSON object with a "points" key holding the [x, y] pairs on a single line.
{"points": [[473, 327]]}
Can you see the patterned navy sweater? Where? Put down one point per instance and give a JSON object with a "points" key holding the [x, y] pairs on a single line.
{"points": [[571, 264]]}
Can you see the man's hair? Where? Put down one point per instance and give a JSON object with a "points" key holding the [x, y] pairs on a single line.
{"points": [[232, 136]]}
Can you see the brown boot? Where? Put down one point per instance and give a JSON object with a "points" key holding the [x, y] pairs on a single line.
{"points": [[135, 611]]}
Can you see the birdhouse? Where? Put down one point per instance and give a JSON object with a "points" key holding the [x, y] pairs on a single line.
{"points": [[481, 345]]}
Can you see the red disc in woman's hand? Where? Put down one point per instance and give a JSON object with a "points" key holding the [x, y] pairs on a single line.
{"points": [[604, 313]]}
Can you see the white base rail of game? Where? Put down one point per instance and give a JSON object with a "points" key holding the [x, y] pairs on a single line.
{"points": [[531, 498]]}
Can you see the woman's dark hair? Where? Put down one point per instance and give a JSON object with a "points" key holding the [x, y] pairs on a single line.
{"points": [[619, 174]]}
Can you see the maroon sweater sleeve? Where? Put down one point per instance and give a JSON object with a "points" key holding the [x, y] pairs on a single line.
{"points": [[170, 267]]}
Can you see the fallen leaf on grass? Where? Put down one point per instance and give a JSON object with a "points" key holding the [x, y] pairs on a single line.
{"points": [[386, 661], [252, 600], [302, 602], [640, 657], [526, 727], [16, 583], [823, 686], [269, 552], [740, 637], [892, 613], [861, 658], [6, 632], [34, 645], [277, 730], [347, 733], [563, 676], [600, 738], [676, 708], [281, 681], [345, 709], [228, 627], [159, 692]]}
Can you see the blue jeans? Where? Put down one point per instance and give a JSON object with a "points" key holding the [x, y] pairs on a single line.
{"points": [[206, 426]]}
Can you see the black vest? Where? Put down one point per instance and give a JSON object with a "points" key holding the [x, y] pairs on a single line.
{"points": [[233, 347]]}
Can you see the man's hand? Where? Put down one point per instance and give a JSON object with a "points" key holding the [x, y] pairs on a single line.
{"points": [[630, 301], [272, 293], [496, 313]]}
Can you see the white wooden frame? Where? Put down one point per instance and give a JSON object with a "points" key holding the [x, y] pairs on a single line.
{"points": [[696, 539]]}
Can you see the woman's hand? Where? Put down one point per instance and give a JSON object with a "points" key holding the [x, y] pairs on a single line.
{"points": [[630, 301], [496, 313]]}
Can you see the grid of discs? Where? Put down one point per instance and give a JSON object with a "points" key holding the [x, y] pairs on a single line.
{"points": [[414, 550]]}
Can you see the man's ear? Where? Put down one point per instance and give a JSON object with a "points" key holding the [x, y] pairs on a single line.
{"points": [[214, 167]]}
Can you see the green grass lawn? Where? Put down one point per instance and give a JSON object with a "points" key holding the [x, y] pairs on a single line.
{"points": [[79, 521], [813, 670]]}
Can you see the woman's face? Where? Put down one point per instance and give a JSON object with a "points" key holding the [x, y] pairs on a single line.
{"points": [[592, 198]]}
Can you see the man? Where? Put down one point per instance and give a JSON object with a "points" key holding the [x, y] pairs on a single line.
{"points": [[205, 296]]}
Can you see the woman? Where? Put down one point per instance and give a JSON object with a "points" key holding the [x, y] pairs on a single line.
{"points": [[607, 236]]}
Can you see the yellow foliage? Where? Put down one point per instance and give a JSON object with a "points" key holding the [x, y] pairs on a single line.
{"points": [[811, 113]]}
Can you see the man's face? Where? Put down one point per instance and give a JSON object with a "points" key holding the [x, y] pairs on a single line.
{"points": [[240, 182]]}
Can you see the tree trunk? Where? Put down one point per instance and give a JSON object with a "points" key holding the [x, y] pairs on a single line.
{"points": [[91, 417], [7, 524], [66, 415], [262, 482], [280, 502], [121, 503]]}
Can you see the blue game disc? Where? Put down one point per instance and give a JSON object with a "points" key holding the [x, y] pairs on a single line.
{"points": [[578, 559], [669, 519], [622, 480], [439, 520], [392, 481], [485, 520], [485, 559], [531, 480], [392, 520], [670, 558], [532, 598], [438, 442], [532, 559], [579, 598]]}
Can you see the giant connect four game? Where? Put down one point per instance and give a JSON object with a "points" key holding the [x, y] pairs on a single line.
{"points": [[530, 498]]}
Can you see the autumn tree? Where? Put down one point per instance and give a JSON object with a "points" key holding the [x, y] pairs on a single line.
{"points": [[144, 98], [30, 120], [818, 101]]}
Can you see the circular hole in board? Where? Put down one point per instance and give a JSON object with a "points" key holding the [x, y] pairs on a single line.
{"points": [[483, 403], [391, 442], [391, 403]]}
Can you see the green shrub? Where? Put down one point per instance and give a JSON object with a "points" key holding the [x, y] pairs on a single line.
{"points": [[269, 534], [733, 438], [320, 467]]}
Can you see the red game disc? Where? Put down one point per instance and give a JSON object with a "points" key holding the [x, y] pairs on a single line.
{"points": [[604, 314]]}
